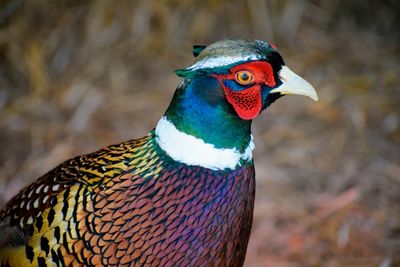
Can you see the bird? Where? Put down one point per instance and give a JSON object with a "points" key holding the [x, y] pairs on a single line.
{"points": [[183, 195]]}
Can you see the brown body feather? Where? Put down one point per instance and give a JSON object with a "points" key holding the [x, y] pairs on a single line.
{"points": [[130, 205]]}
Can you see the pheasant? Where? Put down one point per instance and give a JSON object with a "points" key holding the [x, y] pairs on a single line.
{"points": [[181, 196]]}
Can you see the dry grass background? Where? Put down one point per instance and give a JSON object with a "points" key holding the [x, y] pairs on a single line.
{"points": [[79, 75]]}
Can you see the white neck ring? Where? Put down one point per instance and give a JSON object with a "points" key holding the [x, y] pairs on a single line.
{"points": [[194, 151]]}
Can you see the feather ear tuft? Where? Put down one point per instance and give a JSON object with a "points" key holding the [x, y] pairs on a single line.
{"points": [[197, 49], [185, 73]]}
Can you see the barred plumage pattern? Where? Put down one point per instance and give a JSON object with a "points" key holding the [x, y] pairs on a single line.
{"points": [[130, 205]]}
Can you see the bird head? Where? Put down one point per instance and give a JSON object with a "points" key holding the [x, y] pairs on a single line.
{"points": [[252, 74]]}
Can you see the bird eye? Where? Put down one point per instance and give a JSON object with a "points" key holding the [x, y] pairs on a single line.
{"points": [[244, 77]]}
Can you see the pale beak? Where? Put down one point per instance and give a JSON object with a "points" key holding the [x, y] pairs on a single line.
{"points": [[294, 84]]}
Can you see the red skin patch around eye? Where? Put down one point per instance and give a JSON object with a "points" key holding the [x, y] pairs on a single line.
{"points": [[247, 103]]}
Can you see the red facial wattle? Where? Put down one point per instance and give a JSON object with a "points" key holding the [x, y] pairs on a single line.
{"points": [[248, 102]]}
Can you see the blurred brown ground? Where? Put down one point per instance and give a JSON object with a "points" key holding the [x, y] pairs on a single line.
{"points": [[78, 76]]}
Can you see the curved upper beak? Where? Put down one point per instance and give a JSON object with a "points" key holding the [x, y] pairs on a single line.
{"points": [[294, 84]]}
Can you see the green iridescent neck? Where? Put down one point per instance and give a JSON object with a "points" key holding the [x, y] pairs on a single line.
{"points": [[199, 108]]}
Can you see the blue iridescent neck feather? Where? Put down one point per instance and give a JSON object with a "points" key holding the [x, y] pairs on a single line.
{"points": [[199, 108]]}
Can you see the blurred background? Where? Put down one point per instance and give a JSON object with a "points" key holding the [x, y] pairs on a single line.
{"points": [[79, 75]]}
